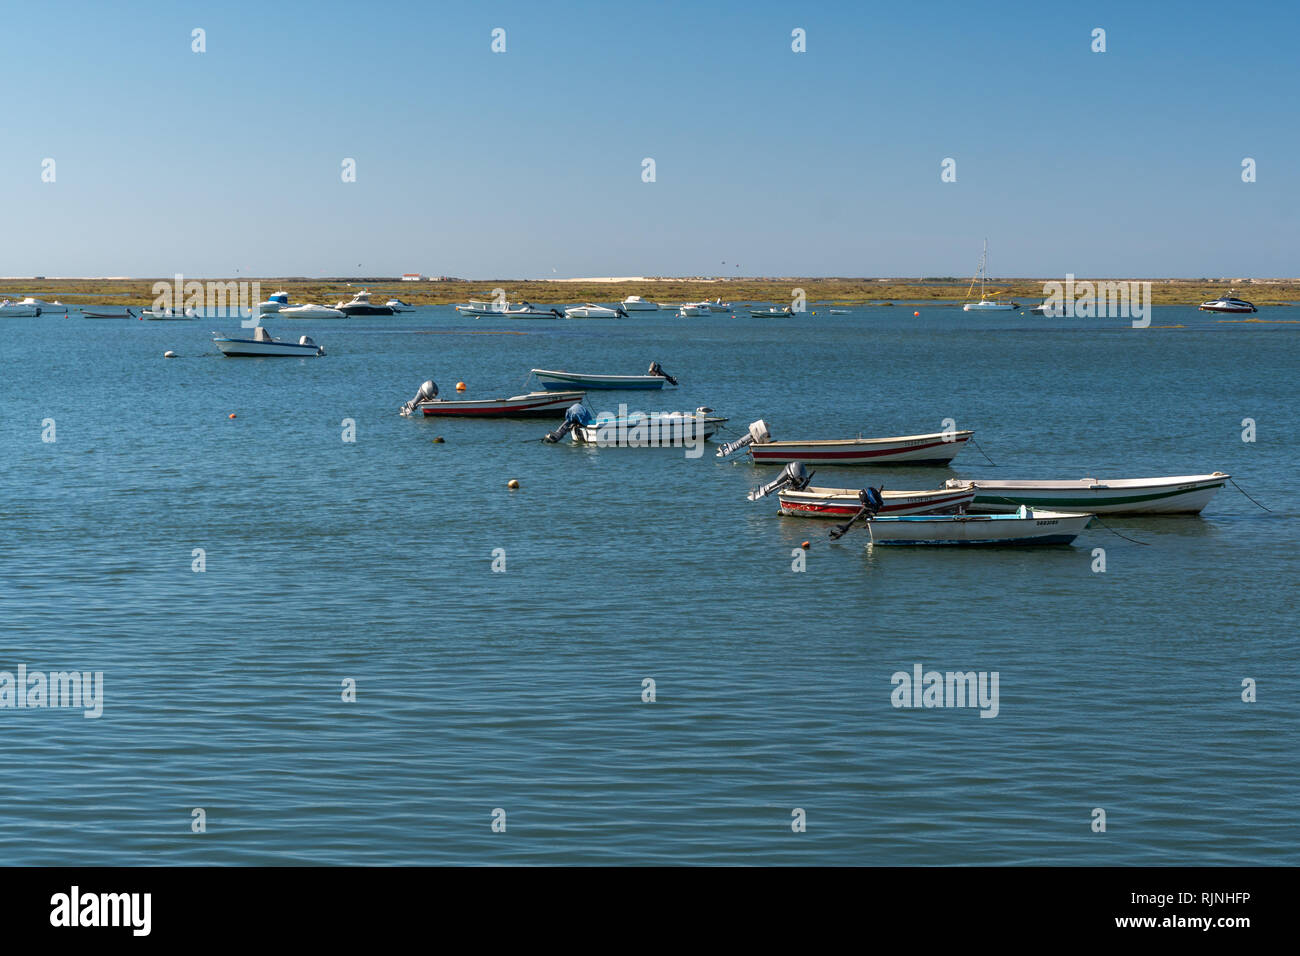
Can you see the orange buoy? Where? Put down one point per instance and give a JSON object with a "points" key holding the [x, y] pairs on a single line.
{"points": [[460, 386], [512, 483], [916, 313], [806, 545], [232, 414]]}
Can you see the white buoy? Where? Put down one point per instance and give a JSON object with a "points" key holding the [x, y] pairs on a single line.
{"points": [[169, 355]]}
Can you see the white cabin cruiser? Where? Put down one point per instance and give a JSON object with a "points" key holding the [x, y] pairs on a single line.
{"points": [[47, 308], [18, 310], [590, 311], [261, 344], [312, 312], [1228, 303], [361, 305], [397, 305], [694, 310], [634, 303], [275, 303]]}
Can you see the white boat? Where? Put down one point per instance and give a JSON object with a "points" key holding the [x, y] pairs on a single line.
{"points": [[838, 311], [17, 310], [637, 429], [361, 305], [312, 312], [800, 498], [46, 308], [475, 307], [1025, 527], [169, 315], [694, 310], [1048, 310], [529, 405], [261, 344], [1181, 494], [590, 311], [771, 313], [397, 305], [276, 303], [553, 379], [936, 448], [634, 303], [985, 304], [717, 305], [527, 310], [1228, 303]]}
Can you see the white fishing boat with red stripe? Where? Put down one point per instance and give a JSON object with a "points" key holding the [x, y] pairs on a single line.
{"points": [[529, 405], [936, 448], [800, 498]]}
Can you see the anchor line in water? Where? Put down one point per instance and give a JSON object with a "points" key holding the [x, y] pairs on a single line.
{"points": [[1145, 544], [1243, 491], [982, 451]]}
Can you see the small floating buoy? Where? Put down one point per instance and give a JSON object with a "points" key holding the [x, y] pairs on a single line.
{"points": [[169, 354], [460, 386], [916, 313], [439, 440], [232, 414], [512, 483], [806, 545]]}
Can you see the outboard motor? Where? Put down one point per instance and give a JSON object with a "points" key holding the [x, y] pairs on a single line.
{"points": [[657, 369], [794, 476], [427, 393], [621, 312], [758, 433], [577, 414], [557, 313], [872, 501]]}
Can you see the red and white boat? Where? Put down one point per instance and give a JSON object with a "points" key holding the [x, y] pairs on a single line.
{"points": [[799, 498], [530, 405], [937, 448]]}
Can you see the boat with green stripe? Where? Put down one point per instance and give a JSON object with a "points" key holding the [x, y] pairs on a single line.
{"points": [[1180, 494]]}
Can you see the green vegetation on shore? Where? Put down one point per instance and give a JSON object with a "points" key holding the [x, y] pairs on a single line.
{"points": [[831, 291]]}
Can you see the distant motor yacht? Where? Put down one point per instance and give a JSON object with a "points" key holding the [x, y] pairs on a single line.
{"points": [[361, 305], [693, 309], [56, 307], [1228, 303], [717, 305], [634, 303], [275, 303], [312, 312], [18, 310], [590, 311], [397, 305]]}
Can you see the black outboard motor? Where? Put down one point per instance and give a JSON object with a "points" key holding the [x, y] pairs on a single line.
{"points": [[427, 393], [872, 501], [793, 475], [576, 414], [557, 313], [621, 312], [657, 369]]}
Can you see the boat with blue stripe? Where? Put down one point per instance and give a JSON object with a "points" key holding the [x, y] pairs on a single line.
{"points": [[555, 380]]}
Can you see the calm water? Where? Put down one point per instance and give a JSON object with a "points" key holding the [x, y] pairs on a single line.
{"points": [[521, 690]]}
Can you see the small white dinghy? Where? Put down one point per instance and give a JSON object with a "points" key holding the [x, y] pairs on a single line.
{"points": [[262, 344], [1025, 527]]}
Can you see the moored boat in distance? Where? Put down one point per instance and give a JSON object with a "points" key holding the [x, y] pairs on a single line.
{"points": [[477, 307], [1228, 303], [169, 315], [936, 448], [17, 310], [397, 305], [310, 311], [771, 312], [261, 344], [694, 310], [591, 311], [529, 405], [799, 498], [274, 303], [101, 314], [717, 305], [637, 429], [553, 379], [1181, 494], [46, 308], [985, 304], [361, 305], [634, 303]]}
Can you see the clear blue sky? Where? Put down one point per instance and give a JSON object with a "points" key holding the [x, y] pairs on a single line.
{"points": [[513, 165]]}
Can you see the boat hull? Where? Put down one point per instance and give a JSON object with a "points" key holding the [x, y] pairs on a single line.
{"points": [[674, 430], [249, 348], [843, 503], [553, 380], [934, 449], [1034, 528], [532, 405], [1187, 494], [312, 312], [989, 307], [366, 310]]}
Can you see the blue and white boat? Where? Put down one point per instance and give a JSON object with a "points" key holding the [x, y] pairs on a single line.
{"points": [[637, 429], [262, 344], [1023, 527], [275, 303], [554, 380]]}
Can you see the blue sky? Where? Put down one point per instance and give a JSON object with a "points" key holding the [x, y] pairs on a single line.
{"points": [[528, 163]]}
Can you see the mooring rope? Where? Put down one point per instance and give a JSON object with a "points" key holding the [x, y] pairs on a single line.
{"points": [[1243, 491], [1124, 536], [982, 451]]}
